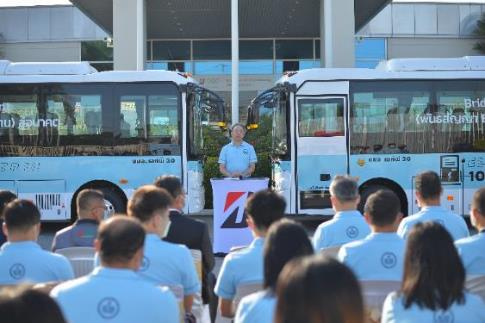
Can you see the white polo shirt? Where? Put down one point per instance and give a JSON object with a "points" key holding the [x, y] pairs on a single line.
{"points": [[115, 295], [472, 253], [243, 266], [26, 261], [454, 223], [472, 311], [166, 263], [346, 226], [256, 308], [380, 256]]}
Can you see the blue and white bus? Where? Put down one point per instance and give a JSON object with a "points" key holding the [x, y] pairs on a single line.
{"points": [[65, 127], [381, 125]]}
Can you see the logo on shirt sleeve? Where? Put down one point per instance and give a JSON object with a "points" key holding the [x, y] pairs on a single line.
{"points": [[444, 317], [108, 308], [352, 232], [388, 260], [145, 264], [17, 271]]}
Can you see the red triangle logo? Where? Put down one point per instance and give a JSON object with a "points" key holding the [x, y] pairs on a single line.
{"points": [[231, 198]]}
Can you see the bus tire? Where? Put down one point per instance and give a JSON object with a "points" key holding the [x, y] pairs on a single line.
{"points": [[115, 202]]}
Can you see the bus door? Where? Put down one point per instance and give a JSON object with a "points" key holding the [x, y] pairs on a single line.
{"points": [[321, 146]]}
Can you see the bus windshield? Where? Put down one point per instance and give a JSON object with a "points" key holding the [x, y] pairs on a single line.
{"points": [[206, 110], [269, 111]]}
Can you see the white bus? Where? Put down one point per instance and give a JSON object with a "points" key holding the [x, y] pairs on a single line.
{"points": [[65, 127], [381, 125]]}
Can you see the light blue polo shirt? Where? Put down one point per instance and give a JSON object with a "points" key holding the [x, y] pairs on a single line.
{"points": [[243, 266], [26, 261], [472, 311], [237, 158], [454, 223], [256, 308], [380, 256], [472, 253], [346, 226], [115, 295], [166, 263]]}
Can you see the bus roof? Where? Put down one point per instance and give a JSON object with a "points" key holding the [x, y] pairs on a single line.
{"points": [[80, 72], [438, 68]]}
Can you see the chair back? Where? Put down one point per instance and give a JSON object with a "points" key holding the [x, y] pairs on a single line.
{"points": [[331, 252], [246, 289], [375, 293], [178, 291], [81, 259], [476, 285]]}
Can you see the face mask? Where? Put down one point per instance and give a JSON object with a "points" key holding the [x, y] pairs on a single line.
{"points": [[167, 228]]}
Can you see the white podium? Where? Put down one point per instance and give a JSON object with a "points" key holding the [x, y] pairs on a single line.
{"points": [[229, 198]]}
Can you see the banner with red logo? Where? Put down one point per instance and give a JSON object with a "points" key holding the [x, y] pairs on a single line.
{"points": [[229, 198]]}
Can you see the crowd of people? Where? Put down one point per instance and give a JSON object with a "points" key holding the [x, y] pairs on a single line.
{"points": [[144, 268]]}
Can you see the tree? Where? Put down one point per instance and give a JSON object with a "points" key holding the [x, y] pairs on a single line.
{"points": [[480, 31]]}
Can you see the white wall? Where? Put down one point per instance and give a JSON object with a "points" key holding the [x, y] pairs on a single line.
{"points": [[430, 47], [41, 52]]}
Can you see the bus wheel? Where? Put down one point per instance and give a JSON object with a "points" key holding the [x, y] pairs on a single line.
{"points": [[113, 201], [366, 192]]}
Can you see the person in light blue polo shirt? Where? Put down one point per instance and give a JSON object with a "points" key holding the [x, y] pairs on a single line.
{"points": [[428, 194], [237, 158], [433, 286], [380, 255], [114, 292], [21, 258], [286, 240], [164, 263], [472, 249], [348, 224], [246, 265]]}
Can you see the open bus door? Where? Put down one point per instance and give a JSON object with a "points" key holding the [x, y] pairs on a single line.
{"points": [[321, 143]]}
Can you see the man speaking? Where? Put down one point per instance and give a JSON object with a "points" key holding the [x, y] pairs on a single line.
{"points": [[237, 158]]}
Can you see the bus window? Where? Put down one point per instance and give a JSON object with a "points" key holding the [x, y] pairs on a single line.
{"points": [[132, 117], [320, 118], [383, 118], [77, 114], [462, 117], [163, 119], [18, 120]]}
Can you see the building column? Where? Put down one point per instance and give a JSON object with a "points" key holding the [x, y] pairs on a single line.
{"points": [[129, 34], [235, 60], [337, 33]]}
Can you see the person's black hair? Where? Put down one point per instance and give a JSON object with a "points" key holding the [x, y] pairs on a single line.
{"points": [[23, 305], [5, 197], [147, 200], [21, 215], [318, 289], [86, 196], [265, 207], [428, 184], [434, 275], [284, 241], [383, 207], [171, 183], [120, 238]]}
